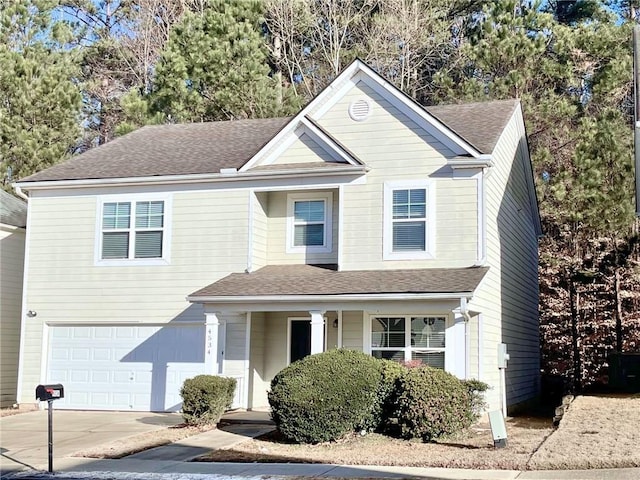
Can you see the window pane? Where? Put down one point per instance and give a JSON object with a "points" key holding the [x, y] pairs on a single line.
{"points": [[149, 214], [148, 245], [418, 211], [433, 359], [387, 332], [116, 215], [400, 196], [428, 332], [115, 245], [400, 211], [309, 211], [417, 196], [409, 236], [308, 235], [397, 355]]}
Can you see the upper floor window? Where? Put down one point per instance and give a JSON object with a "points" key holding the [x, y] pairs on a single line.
{"points": [[133, 230], [309, 222], [408, 220]]}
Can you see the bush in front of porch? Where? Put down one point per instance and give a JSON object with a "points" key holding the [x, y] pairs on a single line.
{"points": [[328, 395], [325, 396]]}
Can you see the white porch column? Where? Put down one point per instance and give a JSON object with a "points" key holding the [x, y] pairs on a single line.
{"points": [[212, 327], [455, 358], [317, 331]]}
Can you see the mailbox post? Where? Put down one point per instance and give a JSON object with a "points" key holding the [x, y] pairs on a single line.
{"points": [[49, 393]]}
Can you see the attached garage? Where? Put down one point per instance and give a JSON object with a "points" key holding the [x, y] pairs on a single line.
{"points": [[124, 367]]}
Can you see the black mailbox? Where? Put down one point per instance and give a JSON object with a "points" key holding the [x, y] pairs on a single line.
{"points": [[49, 392]]}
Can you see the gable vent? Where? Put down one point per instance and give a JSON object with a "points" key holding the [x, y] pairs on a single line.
{"points": [[359, 110]]}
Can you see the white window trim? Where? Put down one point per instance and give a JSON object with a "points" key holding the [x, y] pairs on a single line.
{"points": [[132, 198], [327, 246], [430, 240], [448, 323]]}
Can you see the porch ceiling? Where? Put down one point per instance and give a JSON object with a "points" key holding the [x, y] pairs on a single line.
{"points": [[309, 280]]}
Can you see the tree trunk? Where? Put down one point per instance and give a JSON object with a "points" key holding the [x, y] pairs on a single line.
{"points": [[574, 301], [618, 310]]}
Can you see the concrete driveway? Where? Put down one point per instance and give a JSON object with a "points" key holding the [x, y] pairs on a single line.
{"points": [[24, 440]]}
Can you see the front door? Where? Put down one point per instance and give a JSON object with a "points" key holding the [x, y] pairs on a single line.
{"points": [[299, 339]]}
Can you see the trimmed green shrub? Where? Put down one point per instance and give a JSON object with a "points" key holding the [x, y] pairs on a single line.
{"points": [[430, 403], [324, 396], [383, 407], [476, 390], [205, 398]]}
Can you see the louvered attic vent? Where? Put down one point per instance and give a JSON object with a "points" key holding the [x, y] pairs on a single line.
{"points": [[359, 110]]}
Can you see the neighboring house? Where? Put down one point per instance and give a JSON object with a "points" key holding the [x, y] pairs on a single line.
{"points": [[365, 222], [13, 220]]}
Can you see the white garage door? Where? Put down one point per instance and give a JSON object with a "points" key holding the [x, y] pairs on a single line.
{"points": [[138, 368]]}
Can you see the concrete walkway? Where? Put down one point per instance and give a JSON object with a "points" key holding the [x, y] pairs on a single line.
{"points": [[26, 458]]}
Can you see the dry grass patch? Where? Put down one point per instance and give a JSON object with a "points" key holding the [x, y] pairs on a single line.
{"points": [[143, 441], [596, 432], [473, 449]]}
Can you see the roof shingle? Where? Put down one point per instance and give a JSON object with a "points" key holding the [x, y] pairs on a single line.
{"points": [[183, 149], [13, 211], [315, 280], [206, 148], [480, 123]]}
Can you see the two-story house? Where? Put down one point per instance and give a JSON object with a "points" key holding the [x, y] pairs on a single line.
{"points": [[366, 221]]}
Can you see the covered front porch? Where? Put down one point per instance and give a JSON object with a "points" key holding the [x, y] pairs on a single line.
{"points": [[252, 337]]}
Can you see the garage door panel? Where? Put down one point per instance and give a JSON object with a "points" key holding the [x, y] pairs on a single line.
{"points": [[124, 367]]}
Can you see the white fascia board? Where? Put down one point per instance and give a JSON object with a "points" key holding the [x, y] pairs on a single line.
{"points": [[416, 112], [324, 141], [328, 298], [191, 179], [328, 143], [288, 129]]}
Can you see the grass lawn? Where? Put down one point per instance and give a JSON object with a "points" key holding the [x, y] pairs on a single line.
{"points": [[596, 432]]}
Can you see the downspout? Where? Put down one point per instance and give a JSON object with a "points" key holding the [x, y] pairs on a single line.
{"points": [[20, 193], [464, 311]]}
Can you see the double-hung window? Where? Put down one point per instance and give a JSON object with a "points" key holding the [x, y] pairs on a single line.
{"points": [[408, 337], [133, 231], [408, 220], [309, 227]]}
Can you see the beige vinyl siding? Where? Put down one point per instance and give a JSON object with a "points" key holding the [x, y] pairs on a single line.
{"points": [[258, 383], [352, 330], [12, 240], [209, 233], [508, 296], [260, 231], [303, 150], [277, 241], [396, 149], [275, 342], [331, 331]]}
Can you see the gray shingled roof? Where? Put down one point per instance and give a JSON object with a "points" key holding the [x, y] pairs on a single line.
{"points": [[204, 148], [314, 280], [183, 149], [13, 211], [480, 123]]}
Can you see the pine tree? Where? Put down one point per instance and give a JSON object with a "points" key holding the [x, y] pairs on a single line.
{"points": [[215, 67], [39, 99]]}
